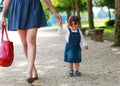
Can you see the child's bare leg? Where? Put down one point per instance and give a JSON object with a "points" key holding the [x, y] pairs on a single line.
{"points": [[70, 66], [71, 72], [77, 66], [77, 73]]}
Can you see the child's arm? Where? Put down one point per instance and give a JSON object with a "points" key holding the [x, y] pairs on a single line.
{"points": [[83, 42], [61, 30]]}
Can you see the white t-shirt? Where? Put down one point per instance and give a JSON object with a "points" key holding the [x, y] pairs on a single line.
{"points": [[66, 32]]}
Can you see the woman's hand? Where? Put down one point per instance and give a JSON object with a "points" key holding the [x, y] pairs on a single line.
{"points": [[48, 2], [3, 20], [58, 18]]}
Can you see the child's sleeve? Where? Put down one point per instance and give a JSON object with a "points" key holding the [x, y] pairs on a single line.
{"points": [[61, 30], [83, 42]]}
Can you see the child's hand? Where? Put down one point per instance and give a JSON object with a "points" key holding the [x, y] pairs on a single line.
{"points": [[86, 47], [60, 22]]}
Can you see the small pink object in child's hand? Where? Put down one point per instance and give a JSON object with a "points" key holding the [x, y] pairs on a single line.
{"points": [[86, 47], [60, 24]]}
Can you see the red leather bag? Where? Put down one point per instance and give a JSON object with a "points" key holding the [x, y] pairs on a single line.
{"points": [[6, 50]]}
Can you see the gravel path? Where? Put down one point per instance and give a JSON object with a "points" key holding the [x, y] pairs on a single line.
{"points": [[100, 65]]}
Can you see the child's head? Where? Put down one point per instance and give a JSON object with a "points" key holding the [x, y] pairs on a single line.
{"points": [[73, 20]]}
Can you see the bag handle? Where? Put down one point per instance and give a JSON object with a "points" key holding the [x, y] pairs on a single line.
{"points": [[4, 30]]}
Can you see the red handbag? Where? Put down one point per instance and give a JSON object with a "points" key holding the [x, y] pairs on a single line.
{"points": [[6, 50]]}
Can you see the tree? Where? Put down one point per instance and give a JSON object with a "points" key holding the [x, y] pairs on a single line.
{"points": [[78, 6], [60, 6], [78, 9], [117, 23], [1, 5], [90, 14], [67, 6], [101, 3], [108, 3]]}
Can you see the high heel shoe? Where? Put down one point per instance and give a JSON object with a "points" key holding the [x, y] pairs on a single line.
{"points": [[30, 80], [36, 77]]}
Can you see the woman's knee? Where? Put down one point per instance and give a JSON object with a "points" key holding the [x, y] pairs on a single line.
{"points": [[31, 36], [31, 41]]}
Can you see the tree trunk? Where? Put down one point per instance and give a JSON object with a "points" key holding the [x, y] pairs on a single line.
{"points": [[90, 14], [68, 13], [73, 6], [1, 6], [109, 13], [117, 23], [78, 9]]}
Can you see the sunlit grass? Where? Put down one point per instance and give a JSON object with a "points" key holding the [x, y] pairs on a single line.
{"points": [[98, 23], [109, 30]]}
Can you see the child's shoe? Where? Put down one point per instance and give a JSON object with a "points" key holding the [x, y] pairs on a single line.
{"points": [[71, 73], [77, 73]]}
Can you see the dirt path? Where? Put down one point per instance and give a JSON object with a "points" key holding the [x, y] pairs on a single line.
{"points": [[100, 65]]}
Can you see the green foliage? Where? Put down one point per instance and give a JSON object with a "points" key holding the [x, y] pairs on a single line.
{"points": [[47, 12], [1, 5], [110, 23], [101, 3], [61, 3], [62, 6]]}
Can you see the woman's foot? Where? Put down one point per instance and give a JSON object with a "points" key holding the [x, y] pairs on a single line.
{"points": [[32, 75], [35, 77], [30, 80]]}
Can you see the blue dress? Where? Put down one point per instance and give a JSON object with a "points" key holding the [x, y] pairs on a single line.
{"points": [[25, 14], [72, 52]]}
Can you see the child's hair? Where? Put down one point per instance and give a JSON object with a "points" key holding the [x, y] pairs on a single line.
{"points": [[73, 20]]}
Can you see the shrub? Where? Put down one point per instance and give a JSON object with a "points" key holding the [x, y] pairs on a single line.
{"points": [[110, 23]]}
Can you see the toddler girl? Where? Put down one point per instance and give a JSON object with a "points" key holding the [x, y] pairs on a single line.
{"points": [[74, 41]]}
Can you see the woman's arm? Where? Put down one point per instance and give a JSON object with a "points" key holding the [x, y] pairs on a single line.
{"points": [[5, 7], [4, 11], [48, 2]]}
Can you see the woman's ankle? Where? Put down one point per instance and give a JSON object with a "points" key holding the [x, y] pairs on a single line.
{"points": [[34, 71]]}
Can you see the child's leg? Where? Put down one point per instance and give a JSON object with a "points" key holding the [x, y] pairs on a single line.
{"points": [[77, 66], [77, 73], [70, 66], [71, 72]]}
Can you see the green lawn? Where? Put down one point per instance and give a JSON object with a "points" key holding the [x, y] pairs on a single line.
{"points": [[100, 23], [97, 22]]}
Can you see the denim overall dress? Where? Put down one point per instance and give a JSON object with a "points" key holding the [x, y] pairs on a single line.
{"points": [[72, 53]]}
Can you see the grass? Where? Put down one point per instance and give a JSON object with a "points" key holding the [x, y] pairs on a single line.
{"points": [[108, 30], [100, 23]]}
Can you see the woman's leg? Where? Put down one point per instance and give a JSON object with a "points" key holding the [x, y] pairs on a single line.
{"points": [[31, 43], [28, 38], [22, 34]]}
